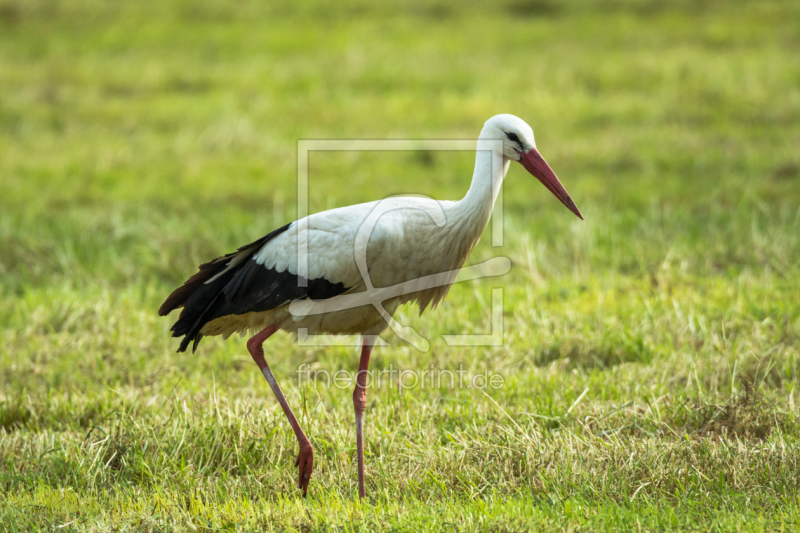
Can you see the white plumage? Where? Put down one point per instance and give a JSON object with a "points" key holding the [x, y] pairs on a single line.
{"points": [[396, 240]]}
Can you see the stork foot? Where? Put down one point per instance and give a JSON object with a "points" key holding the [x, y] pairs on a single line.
{"points": [[305, 463]]}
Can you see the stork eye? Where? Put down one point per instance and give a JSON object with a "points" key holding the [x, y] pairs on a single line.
{"points": [[512, 137]]}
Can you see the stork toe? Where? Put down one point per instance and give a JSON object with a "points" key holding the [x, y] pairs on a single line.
{"points": [[305, 464]]}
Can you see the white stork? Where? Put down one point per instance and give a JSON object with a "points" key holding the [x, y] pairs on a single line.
{"points": [[252, 288]]}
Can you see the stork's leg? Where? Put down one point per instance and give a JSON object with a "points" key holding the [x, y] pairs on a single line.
{"points": [[305, 458], [360, 404]]}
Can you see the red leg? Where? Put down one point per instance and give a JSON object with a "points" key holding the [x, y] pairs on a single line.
{"points": [[360, 405], [305, 458]]}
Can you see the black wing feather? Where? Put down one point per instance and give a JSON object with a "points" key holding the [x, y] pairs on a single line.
{"points": [[248, 287]]}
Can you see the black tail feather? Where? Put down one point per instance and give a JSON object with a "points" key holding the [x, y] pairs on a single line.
{"points": [[222, 288], [181, 295], [199, 295]]}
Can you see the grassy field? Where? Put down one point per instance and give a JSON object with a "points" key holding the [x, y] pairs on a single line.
{"points": [[651, 353]]}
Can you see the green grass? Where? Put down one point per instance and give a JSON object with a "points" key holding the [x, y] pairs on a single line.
{"points": [[650, 356]]}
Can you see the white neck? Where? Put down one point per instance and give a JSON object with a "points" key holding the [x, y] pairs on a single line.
{"points": [[476, 207]]}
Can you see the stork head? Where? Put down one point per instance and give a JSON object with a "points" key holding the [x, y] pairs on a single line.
{"points": [[519, 145]]}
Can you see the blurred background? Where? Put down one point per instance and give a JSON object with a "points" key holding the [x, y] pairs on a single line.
{"points": [[133, 128], [139, 139]]}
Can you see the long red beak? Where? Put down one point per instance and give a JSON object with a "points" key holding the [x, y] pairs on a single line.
{"points": [[536, 165]]}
